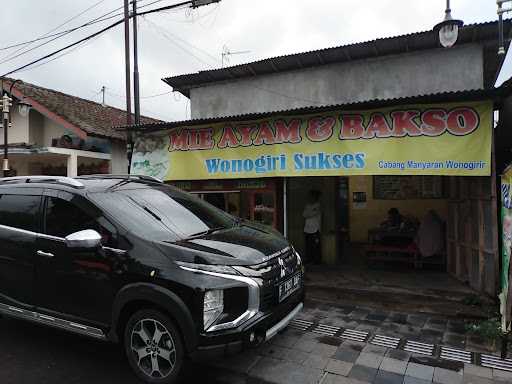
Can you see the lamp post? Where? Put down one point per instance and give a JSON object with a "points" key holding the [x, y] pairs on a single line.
{"points": [[23, 109], [501, 12], [6, 104], [448, 29]]}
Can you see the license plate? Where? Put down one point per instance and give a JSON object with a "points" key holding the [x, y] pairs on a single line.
{"points": [[289, 286]]}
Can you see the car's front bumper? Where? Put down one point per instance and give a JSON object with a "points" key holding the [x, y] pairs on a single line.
{"points": [[257, 330]]}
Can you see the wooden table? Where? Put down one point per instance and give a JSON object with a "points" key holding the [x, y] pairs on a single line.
{"points": [[377, 234]]}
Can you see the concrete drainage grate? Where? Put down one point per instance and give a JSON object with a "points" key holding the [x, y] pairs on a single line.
{"points": [[491, 361], [301, 325], [326, 330], [385, 341], [354, 335], [417, 347], [456, 355], [445, 353]]}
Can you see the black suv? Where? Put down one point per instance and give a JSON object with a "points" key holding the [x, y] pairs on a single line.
{"points": [[132, 260]]}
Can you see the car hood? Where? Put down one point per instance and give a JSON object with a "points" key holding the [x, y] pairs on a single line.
{"points": [[241, 245]]}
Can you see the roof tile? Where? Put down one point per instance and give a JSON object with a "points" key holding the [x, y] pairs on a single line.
{"points": [[93, 118]]}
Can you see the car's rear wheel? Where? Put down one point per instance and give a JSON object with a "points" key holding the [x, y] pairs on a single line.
{"points": [[153, 346]]}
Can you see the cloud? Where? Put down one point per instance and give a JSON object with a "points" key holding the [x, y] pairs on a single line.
{"points": [[186, 41]]}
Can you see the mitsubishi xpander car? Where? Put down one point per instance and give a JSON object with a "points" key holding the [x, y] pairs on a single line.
{"points": [[131, 260]]}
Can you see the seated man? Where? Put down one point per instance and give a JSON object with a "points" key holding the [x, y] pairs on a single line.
{"points": [[394, 220], [394, 226]]}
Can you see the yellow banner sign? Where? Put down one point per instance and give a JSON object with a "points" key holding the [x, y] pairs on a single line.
{"points": [[436, 139]]}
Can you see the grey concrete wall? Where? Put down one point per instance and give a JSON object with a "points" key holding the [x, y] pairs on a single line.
{"points": [[453, 69], [18, 133], [36, 127], [119, 163]]}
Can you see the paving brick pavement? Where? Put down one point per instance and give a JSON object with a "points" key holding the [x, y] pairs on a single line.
{"points": [[296, 357]]}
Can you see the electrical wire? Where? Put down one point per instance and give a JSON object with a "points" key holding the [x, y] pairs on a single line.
{"points": [[157, 95], [14, 55], [99, 19], [142, 97], [79, 46], [174, 6], [172, 38], [65, 32]]}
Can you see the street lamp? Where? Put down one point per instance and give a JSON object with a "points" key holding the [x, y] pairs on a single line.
{"points": [[448, 29], [23, 109], [501, 12], [6, 104]]}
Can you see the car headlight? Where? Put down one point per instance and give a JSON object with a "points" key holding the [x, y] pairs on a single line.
{"points": [[224, 269], [300, 264], [213, 306], [229, 307]]}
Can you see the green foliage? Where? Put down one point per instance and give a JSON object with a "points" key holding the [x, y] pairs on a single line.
{"points": [[489, 329], [472, 300]]}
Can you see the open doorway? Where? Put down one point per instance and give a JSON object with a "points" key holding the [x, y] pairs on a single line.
{"points": [[443, 243], [335, 222]]}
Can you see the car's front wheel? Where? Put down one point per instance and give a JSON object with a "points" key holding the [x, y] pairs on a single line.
{"points": [[153, 346]]}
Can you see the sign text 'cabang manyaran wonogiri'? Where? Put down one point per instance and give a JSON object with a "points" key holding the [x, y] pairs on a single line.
{"points": [[448, 139]]}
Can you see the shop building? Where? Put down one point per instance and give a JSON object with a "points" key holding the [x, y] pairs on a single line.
{"points": [[392, 123]]}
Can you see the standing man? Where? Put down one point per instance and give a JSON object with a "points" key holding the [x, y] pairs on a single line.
{"points": [[312, 227]]}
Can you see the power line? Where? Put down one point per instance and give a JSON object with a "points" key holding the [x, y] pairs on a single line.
{"points": [[142, 97], [94, 35], [57, 36], [57, 27], [187, 43], [164, 33], [157, 95], [65, 48], [79, 46], [89, 23], [75, 17], [62, 32]]}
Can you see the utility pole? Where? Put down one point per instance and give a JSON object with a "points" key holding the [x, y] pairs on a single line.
{"points": [[136, 89], [192, 4], [129, 143], [103, 95]]}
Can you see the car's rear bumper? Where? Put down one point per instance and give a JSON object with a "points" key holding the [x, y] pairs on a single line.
{"points": [[261, 328]]}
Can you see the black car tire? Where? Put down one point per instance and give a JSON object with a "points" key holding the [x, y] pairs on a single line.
{"points": [[166, 350]]}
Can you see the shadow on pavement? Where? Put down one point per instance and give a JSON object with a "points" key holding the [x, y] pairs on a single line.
{"points": [[33, 354]]}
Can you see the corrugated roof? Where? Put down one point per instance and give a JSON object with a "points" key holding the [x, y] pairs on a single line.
{"points": [[92, 118], [480, 32], [469, 95]]}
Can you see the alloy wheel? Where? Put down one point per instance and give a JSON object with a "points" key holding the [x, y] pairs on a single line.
{"points": [[153, 348]]}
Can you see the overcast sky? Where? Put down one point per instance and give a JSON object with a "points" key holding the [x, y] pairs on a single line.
{"points": [[185, 41]]}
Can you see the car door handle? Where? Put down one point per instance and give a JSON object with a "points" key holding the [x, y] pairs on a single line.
{"points": [[45, 254]]}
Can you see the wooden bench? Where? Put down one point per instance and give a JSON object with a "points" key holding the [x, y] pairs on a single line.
{"points": [[402, 253]]}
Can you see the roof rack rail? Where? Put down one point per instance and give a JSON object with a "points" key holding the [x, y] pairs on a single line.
{"points": [[42, 179], [123, 176]]}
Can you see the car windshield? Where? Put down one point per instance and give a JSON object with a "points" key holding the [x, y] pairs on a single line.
{"points": [[163, 213]]}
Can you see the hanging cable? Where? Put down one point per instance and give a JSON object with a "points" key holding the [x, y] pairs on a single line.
{"points": [[94, 35], [45, 36], [96, 20], [173, 39]]}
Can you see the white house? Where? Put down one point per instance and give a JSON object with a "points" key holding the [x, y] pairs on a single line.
{"points": [[63, 135]]}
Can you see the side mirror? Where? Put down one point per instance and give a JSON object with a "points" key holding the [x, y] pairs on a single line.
{"points": [[88, 239]]}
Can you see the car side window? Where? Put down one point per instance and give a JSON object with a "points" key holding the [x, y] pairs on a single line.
{"points": [[20, 211], [64, 217]]}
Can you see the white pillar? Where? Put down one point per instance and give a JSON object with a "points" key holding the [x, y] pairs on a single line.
{"points": [[72, 163]]}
